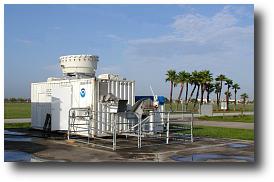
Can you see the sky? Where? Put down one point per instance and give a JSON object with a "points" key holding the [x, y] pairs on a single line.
{"points": [[138, 42]]}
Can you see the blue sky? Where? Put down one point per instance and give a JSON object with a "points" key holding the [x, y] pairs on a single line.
{"points": [[139, 42]]}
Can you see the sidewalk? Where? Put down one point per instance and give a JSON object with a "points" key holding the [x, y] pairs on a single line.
{"points": [[179, 115], [18, 120], [224, 124]]}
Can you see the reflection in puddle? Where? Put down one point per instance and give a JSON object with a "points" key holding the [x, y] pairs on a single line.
{"points": [[238, 145], [38, 159], [211, 157], [16, 156], [18, 139], [12, 136], [19, 156], [7, 132]]}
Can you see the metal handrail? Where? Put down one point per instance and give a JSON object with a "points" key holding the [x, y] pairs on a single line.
{"points": [[113, 125], [73, 116]]}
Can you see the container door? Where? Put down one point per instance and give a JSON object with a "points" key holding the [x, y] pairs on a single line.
{"points": [[60, 105]]}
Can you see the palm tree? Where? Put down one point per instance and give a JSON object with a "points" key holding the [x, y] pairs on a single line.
{"points": [[229, 83], [192, 81], [228, 95], [244, 96], [217, 86], [188, 77], [235, 87], [209, 89], [181, 78], [198, 80], [220, 79], [171, 77], [205, 79]]}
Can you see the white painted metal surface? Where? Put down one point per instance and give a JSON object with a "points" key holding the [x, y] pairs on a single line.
{"points": [[85, 92], [108, 76], [83, 64], [60, 105]]}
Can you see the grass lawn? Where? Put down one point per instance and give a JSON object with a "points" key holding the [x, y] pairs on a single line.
{"points": [[17, 110], [244, 118], [218, 132], [16, 125]]}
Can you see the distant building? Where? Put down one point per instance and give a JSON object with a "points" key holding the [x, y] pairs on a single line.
{"points": [[204, 100]]}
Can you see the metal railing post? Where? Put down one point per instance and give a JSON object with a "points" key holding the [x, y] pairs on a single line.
{"points": [[191, 127], [114, 132], [89, 126], [139, 131], [68, 126], [167, 129]]}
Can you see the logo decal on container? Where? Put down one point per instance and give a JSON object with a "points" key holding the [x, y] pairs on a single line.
{"points": [[83, 92]]}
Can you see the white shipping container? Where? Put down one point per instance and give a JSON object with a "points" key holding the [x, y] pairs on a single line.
{"points": [[56, 97]]}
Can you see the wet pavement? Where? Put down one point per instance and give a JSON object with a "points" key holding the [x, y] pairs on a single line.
{"points": [[212, 157], [16, 156], [31, 146]]}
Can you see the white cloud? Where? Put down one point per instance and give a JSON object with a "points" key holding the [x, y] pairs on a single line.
{"points": [[219, 43], [196, 34]]}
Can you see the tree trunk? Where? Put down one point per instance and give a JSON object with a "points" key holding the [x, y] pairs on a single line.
{"points": [[218, 102], [192, 92], [181, 91], [180, 94], [235, 100], [202, 93], [227, 99], [186, 91], [244, 106], [197, 95], [207, 97], [220, 91], [170, 98], [186, 95]]}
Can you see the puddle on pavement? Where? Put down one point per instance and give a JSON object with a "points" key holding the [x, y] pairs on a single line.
{"points": [[211, 157], [7, 132], [38, 159], [16, 156], [18, 139], [12, 136], [20, 156], [238, 145]]}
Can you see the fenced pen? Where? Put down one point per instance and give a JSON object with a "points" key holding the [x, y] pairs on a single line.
{"points": [[128, 130]]}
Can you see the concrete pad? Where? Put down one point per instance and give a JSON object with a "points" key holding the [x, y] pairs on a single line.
{"points": [[57, 149]]}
